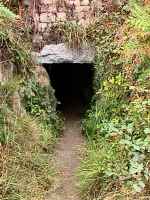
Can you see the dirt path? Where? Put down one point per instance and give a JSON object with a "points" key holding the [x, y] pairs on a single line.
{"points": [[67, 160]]}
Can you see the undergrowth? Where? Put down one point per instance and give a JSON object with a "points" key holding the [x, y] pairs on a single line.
{"points": [[29, 123], [119, 116], [116, 163], [41, 103]]}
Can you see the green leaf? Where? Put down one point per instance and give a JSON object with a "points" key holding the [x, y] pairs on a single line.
{"points": [[136, 167], [126, 142], [147, 130], [137, 187]]}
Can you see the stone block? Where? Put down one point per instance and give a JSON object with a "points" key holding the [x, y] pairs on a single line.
{"points": [[61, 16], [51, 17], [42, 27], [47, 2], [61, 9], [85, 8], [60, 53], [96, 5], [84, 2], [44, 18], [71, 3], [77, 3], [44, 8]]}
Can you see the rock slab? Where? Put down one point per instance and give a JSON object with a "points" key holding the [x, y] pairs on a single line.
{"points": [[60, 53]]}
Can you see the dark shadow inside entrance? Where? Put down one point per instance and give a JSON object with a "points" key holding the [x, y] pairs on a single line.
{"points": [[72, 84]]}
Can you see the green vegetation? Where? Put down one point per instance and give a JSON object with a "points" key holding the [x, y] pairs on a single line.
{"points": [[117, 125], [40, 102], [28, 120], [25, 172]]}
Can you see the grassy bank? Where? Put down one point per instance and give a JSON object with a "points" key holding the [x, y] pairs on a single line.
{"points": [[29, 123]]}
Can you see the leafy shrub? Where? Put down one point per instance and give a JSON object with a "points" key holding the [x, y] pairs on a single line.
{"points": [[40, 102]]}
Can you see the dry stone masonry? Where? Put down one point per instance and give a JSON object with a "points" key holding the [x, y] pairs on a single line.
{"points": [[50, 12], [54, 11], [46, 13]]}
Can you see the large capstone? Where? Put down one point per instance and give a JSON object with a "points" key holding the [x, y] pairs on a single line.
{"points": [[60, 53]]}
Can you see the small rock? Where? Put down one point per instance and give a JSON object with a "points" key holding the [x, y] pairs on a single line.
{"points": [[42, 27], [61, 16], [44, 18], [84, 3]]}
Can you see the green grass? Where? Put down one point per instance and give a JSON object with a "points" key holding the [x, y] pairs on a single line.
{"points": [[104, 162]]}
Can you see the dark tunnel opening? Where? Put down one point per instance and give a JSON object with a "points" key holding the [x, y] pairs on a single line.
{"points": [[73, 85]]}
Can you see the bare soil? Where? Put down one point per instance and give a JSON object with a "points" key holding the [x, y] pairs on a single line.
{"points": [[67, 158]]}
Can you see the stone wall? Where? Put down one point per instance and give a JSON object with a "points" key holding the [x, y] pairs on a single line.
{"points": [[53, 11], [66, 10]]}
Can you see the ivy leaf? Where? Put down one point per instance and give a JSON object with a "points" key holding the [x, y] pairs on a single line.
{"points": [[141, 184], [136, 167], [136, 147], [138, 187], [109, 173], [126, 142], [147, 130]]}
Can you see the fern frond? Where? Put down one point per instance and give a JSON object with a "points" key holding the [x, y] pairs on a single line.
{"points": [[140, 17], [5, 13]]}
